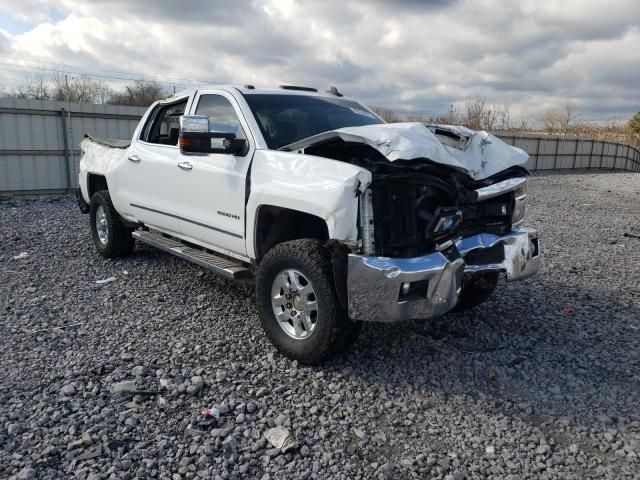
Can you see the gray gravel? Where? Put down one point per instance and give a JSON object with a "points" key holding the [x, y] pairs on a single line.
{"points": [[108, 380]]}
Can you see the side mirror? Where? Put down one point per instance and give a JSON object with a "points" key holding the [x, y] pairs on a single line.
{"points": [[195, 137]]}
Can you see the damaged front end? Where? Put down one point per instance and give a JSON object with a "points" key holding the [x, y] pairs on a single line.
{"points": [[444, 203], [460, 238]]}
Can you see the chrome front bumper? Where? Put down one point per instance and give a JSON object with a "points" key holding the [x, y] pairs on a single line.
{"points": [[521, 257], [374, 287], [375, 284]]}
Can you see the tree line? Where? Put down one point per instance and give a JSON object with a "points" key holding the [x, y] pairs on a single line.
{"points": [[565, 119], [84, 89]]}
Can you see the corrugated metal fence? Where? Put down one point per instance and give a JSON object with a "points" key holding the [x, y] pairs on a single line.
{"points": [[39, 144], [567, 152], [39, 141]]}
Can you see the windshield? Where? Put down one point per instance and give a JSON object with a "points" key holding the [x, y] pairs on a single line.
{"points": [[284, 119]]}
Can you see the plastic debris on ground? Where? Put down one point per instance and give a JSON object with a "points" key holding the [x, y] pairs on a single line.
{"points": [[106, 280], [124, 386], [21, 256], [567, 310], [280, 438], [211, 412], [59, 327]]}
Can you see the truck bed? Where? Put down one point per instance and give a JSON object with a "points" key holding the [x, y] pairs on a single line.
{"points": [[110, 142]]}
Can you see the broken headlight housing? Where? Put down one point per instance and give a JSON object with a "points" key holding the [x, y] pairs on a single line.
{"points": [[519, 206], [447, 220]]}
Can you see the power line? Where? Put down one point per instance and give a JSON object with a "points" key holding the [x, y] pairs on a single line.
{"points": [[65, 65], [91, 75], [120, 72], [78, 70]]}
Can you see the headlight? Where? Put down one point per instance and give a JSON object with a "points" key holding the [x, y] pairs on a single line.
{"points": [[448, 219], [520, 206]]}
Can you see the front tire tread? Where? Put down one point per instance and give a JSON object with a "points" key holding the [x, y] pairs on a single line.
{"points": [[336, 333]]}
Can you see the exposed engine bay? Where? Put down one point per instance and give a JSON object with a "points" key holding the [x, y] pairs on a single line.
{"points": [[418, 205]]}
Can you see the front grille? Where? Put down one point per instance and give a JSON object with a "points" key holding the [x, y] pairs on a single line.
{"points": [[404, 216], [490, 216], [407, 206]]}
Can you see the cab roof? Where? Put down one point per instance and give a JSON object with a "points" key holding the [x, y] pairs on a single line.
{"points": [[251, 90]]}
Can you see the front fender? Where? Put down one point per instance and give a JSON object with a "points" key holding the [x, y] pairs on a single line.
{"points": [[319, 186]]}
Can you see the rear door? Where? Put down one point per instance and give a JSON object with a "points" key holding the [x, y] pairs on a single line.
{"points": [[214, 185], [152, 168]]}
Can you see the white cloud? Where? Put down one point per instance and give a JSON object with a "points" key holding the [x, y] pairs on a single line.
{"points": [[413, 56]]}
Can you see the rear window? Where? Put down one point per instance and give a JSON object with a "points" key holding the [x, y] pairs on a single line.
{"points": [[285, 119]]}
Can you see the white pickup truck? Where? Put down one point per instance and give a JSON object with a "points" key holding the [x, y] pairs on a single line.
{"points": [[337, 216]]}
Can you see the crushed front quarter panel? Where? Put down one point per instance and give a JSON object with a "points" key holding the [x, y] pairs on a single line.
{"points": [[326, 188]]}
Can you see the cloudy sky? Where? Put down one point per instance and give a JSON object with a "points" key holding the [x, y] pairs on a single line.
{"points": [[413, 56]]}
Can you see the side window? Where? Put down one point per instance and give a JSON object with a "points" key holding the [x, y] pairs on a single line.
{"points": [[222, 116], [163, 126]]}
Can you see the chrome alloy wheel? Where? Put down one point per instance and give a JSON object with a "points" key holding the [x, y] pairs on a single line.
{"points": [[102, 225], [295, 304]]}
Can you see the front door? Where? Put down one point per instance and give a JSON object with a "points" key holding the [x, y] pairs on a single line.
{"points": [[213, 186]]}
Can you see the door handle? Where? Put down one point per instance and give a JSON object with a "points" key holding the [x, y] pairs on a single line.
{"points": [[185, 165], [134, 158]]}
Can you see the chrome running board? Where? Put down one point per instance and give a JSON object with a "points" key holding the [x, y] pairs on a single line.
{"points": [[226, 267]]}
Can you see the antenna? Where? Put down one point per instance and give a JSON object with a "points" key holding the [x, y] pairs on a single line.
{"points": [[334, 91]]}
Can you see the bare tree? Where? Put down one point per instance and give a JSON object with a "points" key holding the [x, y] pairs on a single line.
{"points": [[416, 117], [35, 88], [475, 110], [569, 114], [525, 122], [480, 114], [84, 89], [386, 114], [550, 120], [503, 117], [104, 93], [561, 119], [61, 87], [139, 94], [77, 89]]}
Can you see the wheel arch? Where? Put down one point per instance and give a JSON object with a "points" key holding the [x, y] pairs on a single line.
{"points": [[95, 183], [276, 224]]}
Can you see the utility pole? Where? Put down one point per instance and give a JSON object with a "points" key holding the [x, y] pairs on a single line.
{"points": [[68, 135]]}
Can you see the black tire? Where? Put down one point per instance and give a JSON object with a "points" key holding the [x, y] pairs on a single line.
{"points": [[119, 241], [476, 289], [334, 333]]}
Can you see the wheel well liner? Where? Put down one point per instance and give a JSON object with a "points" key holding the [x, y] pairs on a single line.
{"points": [[275, 225], [95, 183]]}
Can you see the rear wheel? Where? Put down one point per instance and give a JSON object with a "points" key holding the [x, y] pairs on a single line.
{"points": [[298, 305], [110, 236], [476, 289]]}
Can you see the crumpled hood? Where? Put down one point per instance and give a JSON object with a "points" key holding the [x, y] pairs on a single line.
{"points": [[478, 153]]}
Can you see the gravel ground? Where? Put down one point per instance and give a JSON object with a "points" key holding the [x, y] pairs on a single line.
{"points": [[107, 380]]}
